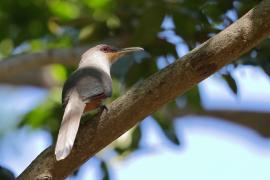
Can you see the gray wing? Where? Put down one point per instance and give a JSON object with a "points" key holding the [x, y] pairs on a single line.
{"points": [[89, 82]]}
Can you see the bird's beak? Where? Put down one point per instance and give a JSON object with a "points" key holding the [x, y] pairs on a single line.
{"points": [[129, 50], [121, 52]]}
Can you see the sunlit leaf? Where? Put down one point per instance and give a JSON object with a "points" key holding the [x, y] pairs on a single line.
{"points": [[36, 45], [64, 9], [97, 4], [53, 26], [113, 22], [86, 32], [59, 72], [6, 47]]}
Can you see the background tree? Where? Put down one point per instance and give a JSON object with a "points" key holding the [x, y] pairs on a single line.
{"points": [[161, 27]]}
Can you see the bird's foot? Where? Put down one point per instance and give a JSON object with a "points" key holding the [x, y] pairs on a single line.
{"points": [[103, 107]]}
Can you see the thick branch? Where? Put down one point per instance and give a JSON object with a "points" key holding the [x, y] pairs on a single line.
{"points": [[146, 97], [39, 77], [18, 64]]}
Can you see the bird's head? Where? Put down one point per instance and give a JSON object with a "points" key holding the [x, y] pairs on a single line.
{"points": [[112, 54]]}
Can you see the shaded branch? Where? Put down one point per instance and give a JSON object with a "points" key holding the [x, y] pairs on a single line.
{"points": [[39, 77], [21, 63], [157, 90], [258, 121]]}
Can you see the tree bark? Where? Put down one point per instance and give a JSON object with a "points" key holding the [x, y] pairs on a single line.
{"points": [[149, 95]]}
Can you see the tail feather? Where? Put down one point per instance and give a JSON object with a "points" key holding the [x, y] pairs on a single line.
{"points": [[69, 126]]}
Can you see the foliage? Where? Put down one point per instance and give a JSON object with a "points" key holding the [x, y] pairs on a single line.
{"points": [[5, 174], [30, 26]]}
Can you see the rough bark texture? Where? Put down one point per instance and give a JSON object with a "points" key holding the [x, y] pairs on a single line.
{"points": [[146, 97]]}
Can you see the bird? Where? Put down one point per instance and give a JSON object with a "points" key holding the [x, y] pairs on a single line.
{"points": [[84, 91]]}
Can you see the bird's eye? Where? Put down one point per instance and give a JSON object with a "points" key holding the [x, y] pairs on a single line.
{"points": [[106, 49]]}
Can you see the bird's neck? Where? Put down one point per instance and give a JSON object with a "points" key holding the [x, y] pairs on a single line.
{"points": [[96, 60]]}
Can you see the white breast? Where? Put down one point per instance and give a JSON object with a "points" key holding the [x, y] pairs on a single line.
{"points": [[97, 59]]}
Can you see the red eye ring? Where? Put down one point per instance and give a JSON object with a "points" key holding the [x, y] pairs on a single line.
{"points": [[106, 49]]}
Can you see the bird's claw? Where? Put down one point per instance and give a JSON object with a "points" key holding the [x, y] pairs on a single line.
{"points": [[103, 107]]}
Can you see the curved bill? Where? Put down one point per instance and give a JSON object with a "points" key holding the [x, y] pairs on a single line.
{"points": [[130, 49]]}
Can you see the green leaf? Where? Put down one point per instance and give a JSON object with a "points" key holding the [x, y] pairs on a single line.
{"points": [[215, 10], [117, 89], [185, 25], [105, 170], [86, 32], [6, 174], [149, 24], [166, 126], [59, 72], [193, 98], [47, 115], [6, 47], [64, 9], [37, 117], [136, 137], [266, 69], [37, 45], [231, 83], [162, 48], [97, 4], [140, 71]]}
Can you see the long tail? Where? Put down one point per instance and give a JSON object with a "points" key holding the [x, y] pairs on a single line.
{"points": [[69, 126]]}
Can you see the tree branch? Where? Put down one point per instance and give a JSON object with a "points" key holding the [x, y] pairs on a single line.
{"points": [[19, 64], [258, 121], [160, 88], [39, 77]]}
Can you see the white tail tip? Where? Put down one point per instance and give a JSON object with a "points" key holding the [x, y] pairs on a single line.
{"points": [[62, 154]]}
